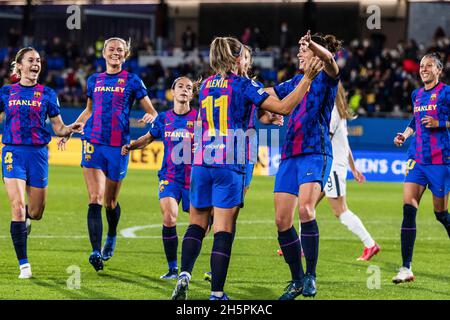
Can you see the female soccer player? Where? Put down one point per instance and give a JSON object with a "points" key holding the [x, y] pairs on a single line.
{"points": [[429, 157], [174, 126], [110, 97], [335, 188], [217, 174], [265, 117], [26, 105], [305, 163]]}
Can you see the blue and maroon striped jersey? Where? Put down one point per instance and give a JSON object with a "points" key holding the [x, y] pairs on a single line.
{"points": [[112, 97], [175, 129], [26, 109], [431, 145], [225, 109], [308, 126]]}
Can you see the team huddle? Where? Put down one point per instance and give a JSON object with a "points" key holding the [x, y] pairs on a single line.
{"points": [[206, 166]]}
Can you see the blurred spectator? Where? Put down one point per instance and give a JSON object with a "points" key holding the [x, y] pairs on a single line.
{"points": [[245, 37], [188, 39], [285, 37]]}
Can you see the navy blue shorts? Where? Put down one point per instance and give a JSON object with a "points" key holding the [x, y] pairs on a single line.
{"points": [[106, 158], [434, 176], [295, 171], [29, 163], [216, 187], [174, 190]]}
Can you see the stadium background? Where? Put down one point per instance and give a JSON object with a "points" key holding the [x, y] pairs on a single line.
{"points": [[379, 68]]}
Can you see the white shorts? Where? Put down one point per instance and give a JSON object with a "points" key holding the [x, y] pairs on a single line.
{"points": [[336, 184]]}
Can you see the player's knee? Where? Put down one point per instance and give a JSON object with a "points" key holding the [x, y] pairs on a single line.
{"points": [[96, 198], [110, 204], [306, 212], [18, 209], [282, 222], [36, 213], [170, 219]]}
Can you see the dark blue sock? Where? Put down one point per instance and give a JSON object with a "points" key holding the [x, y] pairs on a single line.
{"points": [[19, 238], [444, 218], [95, 226], [192, 244], [310, 245], [113, 217], [220, 259], [290, 245], [408, 234], [170, 242]]}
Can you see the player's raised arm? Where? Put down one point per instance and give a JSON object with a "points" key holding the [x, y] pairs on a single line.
{"points": [[285, 106], [308, 42]]}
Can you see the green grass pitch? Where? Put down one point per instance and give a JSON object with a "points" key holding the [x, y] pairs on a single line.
{"points": [[60, 241]]}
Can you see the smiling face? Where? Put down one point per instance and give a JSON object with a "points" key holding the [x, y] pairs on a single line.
{"points": [[429, 71], [304, 55], [114, 53], [29, 66], [183, 90]]}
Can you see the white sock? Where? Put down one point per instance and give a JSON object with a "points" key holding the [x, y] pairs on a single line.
{"points": [[218, 294], [355, 225]]}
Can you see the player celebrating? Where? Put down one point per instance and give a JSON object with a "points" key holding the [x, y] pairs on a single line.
{"points": [[174, 126], [217, 174], [306, 156], [429, 157], [26, 105], [110, 97]]}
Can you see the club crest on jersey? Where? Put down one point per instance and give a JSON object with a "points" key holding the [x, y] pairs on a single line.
{"points": [[121, 81], [9, 167], [162, 185], [87, 157], [433, 96], [37, 94], [190, 124]]}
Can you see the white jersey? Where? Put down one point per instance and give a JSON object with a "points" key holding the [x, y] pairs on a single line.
{"points": [[339, 139]]}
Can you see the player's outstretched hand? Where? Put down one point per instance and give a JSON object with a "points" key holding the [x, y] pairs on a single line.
{"points": [[359, 177], [76, 127], [399, 139], [313, 67], [147, 118], [125, 149], [430, 122]]}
